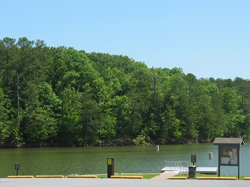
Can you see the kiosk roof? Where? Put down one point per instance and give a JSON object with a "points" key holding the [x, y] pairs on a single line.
{"points": [[220, 141]]}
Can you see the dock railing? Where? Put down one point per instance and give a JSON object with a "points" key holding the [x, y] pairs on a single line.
{"points": [[180, 166]]}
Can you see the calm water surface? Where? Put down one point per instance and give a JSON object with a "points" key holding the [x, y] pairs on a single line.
{"points": [[93, 160]]}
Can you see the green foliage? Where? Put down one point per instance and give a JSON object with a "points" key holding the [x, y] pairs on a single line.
{"points": [[65, 97]]}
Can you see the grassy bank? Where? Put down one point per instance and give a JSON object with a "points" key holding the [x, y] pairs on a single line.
{"points": [[145, 175], [209, 175]]}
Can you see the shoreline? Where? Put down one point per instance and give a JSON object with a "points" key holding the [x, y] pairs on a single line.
{"points": [[43, 145]]}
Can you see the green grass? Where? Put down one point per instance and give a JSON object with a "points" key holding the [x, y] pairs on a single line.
{"points": [[145, 175], [197, 175], [102, 176]]}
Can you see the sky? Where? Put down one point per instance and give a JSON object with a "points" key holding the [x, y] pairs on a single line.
{"points": [[208, 38]]}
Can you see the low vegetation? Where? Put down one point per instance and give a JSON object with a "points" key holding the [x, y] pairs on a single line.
{"points": [[145, 175]]}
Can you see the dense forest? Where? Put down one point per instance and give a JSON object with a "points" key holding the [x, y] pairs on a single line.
{"points": [[58, 96]]}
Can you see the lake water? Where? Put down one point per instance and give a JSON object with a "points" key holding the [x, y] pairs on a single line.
{"points": [[131, 159]]}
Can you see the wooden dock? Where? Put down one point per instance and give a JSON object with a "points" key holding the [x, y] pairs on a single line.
{"points": [[183, 170]]}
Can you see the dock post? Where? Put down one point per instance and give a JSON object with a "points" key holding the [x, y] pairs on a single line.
{"points": [[210, 155], [157, 147]]}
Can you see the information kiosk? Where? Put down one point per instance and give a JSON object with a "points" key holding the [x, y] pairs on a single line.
{"points": [[229, 152]]}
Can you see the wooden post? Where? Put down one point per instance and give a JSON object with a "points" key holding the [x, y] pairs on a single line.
{"points": [[110, 167], [238, 160], [219, 161]]}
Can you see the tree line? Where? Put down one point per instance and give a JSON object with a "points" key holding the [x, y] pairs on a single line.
{"points": [[59, 96]]}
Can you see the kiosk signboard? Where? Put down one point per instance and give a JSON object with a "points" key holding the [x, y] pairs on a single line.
{"points": [[229, 155]]}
